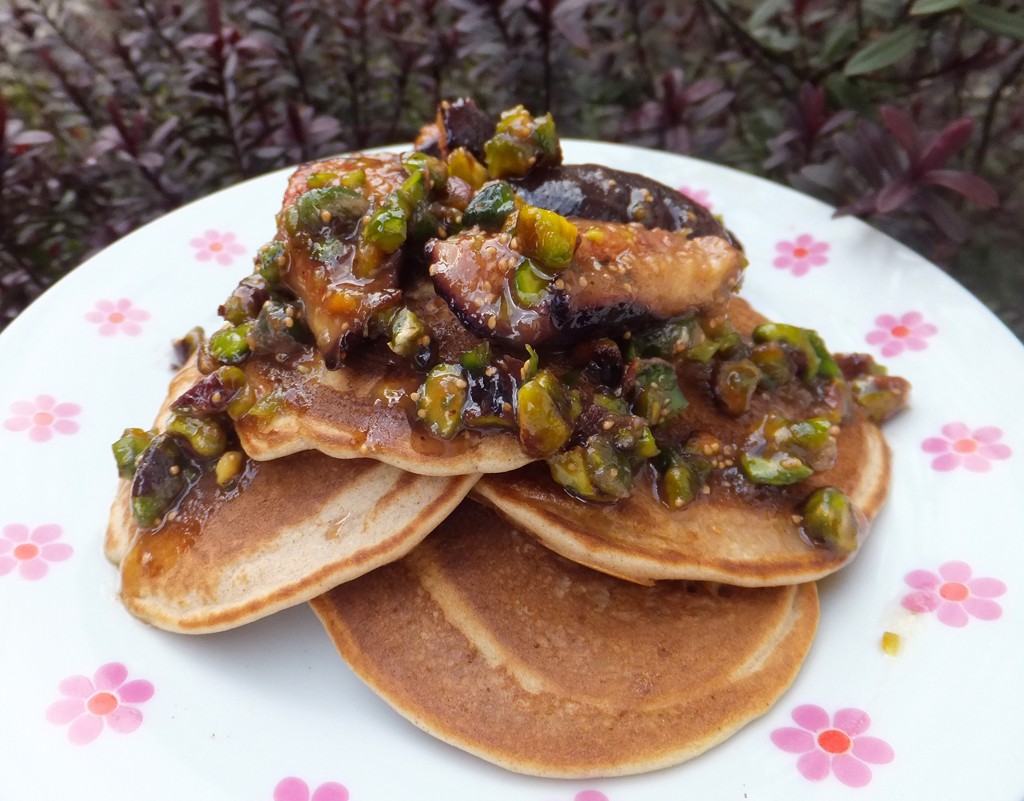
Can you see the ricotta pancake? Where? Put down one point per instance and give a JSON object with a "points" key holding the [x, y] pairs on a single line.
{"points": [[500, 647], [290, 530]]}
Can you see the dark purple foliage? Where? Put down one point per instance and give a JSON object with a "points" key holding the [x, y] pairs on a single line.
{"points": [[113, 112]]}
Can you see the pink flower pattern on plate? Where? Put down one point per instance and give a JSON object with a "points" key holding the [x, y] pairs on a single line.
{"points": [[117, 316], [896, 334], [961, 446], [219, 246], [107, 697], [41, 417], [698, 196], [31, 551], [800, 255], [837, 745], [953, 594], [293, 788]]}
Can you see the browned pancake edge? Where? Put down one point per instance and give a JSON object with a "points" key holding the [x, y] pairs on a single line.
{"points": [[498, 646]]}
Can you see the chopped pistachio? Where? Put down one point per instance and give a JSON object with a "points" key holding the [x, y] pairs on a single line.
{"points": [[204, 435], [128, 448], [777, 469], [442, 397], [547, 413], [546, 237], [735, 384], [491, 206], [830, 519], [230, 345], [655, 391], [229, 467], [463, 165]]}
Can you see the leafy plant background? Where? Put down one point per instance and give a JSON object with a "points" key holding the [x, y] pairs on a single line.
{"points": [[908, 114]]}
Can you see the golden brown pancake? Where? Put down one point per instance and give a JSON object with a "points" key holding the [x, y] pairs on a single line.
{"points": [[294, 528], [500, 647], [740, 533], [749, 541], [363, 410]]}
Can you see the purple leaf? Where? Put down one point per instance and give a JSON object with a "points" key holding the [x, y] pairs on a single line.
{"points": [[895, 194], [953, 139], [973, 187], [902, 126]]}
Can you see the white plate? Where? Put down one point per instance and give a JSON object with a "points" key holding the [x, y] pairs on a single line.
{"points": [[269, 713]]}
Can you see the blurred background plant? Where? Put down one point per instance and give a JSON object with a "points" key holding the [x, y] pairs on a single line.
{"points": [[908, 114]]}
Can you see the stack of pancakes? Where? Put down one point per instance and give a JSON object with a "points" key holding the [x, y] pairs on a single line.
{"points": [[546, 634]]}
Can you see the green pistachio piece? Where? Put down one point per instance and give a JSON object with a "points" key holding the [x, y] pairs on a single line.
{"points": [[547, 413], [265, 407], [520, 142], [735, 384], [773, 362], [319, 179], [569, 470], [435, 169], [491, 206], [148, 510], [829, 518], [230, 345], [271, 259], [596, 471], [778, 469], [530, 282], [477, 359], [128, 449], [819, 361], [880, 396], [441, 400], [611, 403], [610, 470], [354, 179], [388, 227], [670, 340], [276, 329], [204, 435], [463, 165], [317, 207], [680, 477], [812, 434], [409, 335], [546, 237], [656, 393]]}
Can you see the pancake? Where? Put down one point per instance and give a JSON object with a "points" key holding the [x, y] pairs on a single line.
{"points": [[563, 671], [290, 530], [739, 533], [362, 410], [293, 528], [750, 541]]}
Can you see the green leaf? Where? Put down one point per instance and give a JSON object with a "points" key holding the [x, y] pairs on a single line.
{"points": [[997, 21], [884, 51], [838, 41], [937, 6]]}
